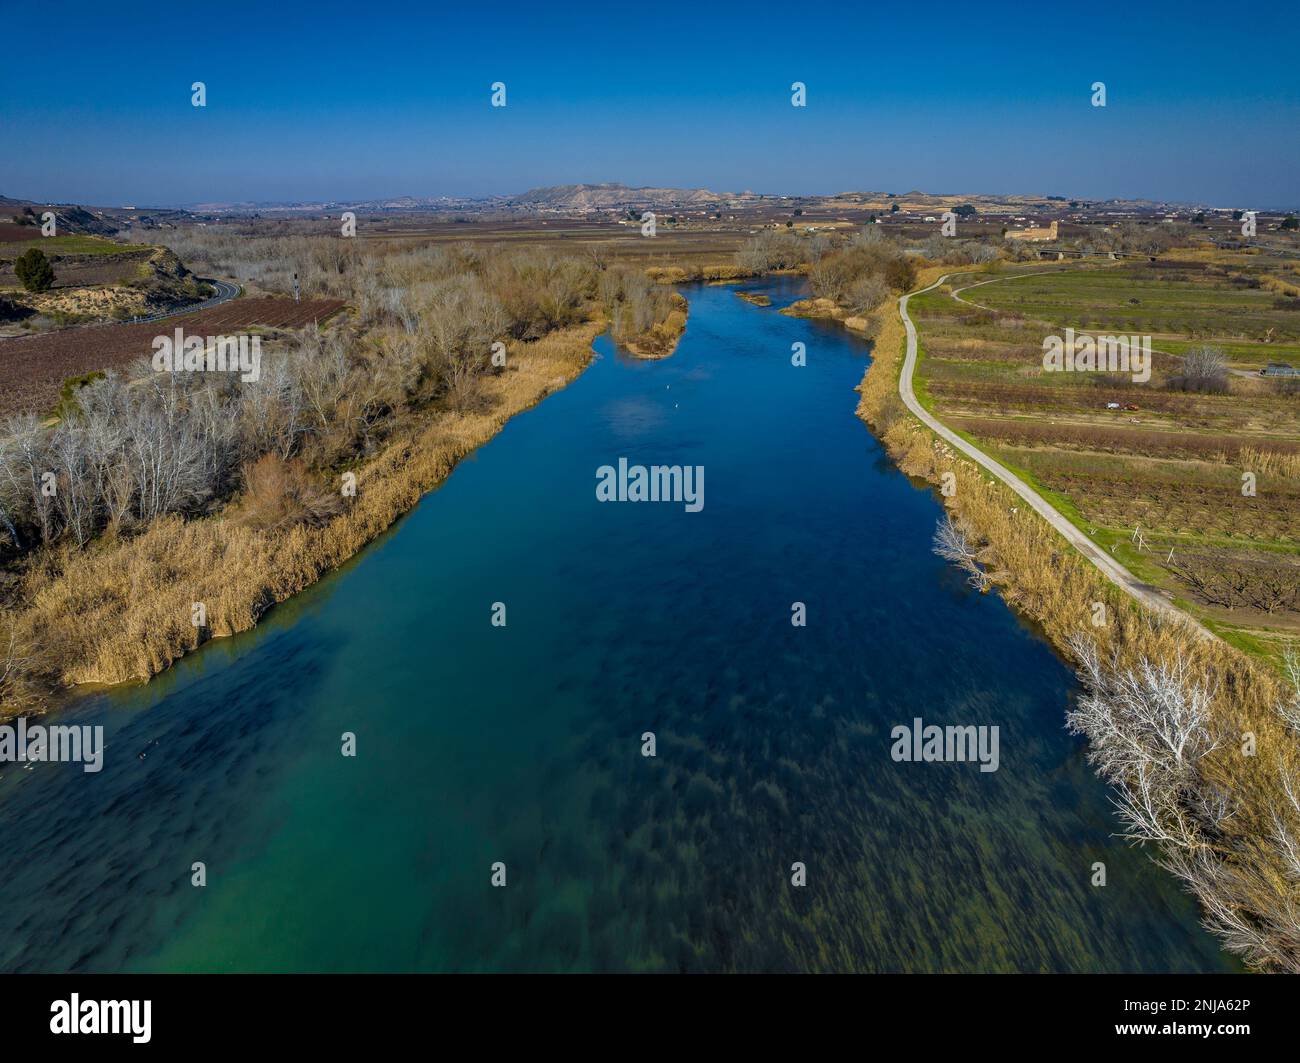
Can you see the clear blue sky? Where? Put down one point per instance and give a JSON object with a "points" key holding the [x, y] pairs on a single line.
{"points": [[325, 100]]}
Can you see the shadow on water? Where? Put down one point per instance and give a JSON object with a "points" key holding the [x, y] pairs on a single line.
{"points": [[522, 744]]}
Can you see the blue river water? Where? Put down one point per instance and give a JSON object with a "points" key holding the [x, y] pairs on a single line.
{"points": [[522, 744]]}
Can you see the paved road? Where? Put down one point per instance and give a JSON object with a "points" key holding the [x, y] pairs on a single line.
{"points": [[1107, 565], [225, 292]]}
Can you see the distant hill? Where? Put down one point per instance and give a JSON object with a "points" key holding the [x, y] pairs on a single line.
{"points": [[71, 220], [576, 197], [78, 221], [20, 220], [615, 196], [83, 220], [606, 198]]}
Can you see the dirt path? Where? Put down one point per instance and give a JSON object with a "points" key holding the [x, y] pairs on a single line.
{"points": [[1107, 565]]}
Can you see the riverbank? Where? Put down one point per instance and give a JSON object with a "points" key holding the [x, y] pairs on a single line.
{"points": [[125, 609], [1223, 822]]}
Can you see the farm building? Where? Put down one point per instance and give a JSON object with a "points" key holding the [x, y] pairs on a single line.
{"points": [[1033, 234]]}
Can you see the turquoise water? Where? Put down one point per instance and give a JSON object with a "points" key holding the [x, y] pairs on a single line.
{"points": [[522, 743]]}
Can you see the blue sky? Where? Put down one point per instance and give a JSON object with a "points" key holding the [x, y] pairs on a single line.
{"points": [[327, 100]]}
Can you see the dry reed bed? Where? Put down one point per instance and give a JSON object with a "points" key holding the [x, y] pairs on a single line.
{"points": [[122, 611]]}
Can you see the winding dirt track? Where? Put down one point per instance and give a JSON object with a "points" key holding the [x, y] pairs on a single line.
{"points": [[1107, 565]]}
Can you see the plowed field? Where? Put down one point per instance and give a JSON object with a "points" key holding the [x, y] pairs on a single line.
{"points": [[33, 368]]}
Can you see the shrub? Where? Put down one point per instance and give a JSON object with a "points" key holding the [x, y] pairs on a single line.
{"points": [[865, 294], [840, 275], [34, 270], [280, 494]]}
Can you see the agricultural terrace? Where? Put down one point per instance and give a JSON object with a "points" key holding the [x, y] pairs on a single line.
{"points": [[1152, 471], [68, 245]]}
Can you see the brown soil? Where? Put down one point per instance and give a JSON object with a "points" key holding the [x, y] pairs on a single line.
{"points": [[34, 368]]}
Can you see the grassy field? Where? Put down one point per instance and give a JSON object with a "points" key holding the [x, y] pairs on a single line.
{"points": [[1156, 475], [69, 245], [1182, 302]]}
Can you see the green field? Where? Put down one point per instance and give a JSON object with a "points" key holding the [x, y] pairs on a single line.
{"points": [[70, 245], [1189, 306]]}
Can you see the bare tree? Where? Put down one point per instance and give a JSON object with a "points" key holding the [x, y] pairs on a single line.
{"points": [[15, 662], [771, 249], [77, 500], [322, 367], [461, 319], [24, 462], [1289, 709], [400, 305], [1205, 369], [1148, 728], [952, 544], [15, 487]]}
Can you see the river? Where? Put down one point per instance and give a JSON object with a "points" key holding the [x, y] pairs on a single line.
{"points": [[522, 744]]}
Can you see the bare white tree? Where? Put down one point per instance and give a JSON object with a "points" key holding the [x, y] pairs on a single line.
{"points": [[1155, 714], [1217, 886], [952, 544], [1149, 727], [1289, 709], [1283, 833], [1205, 368]]}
